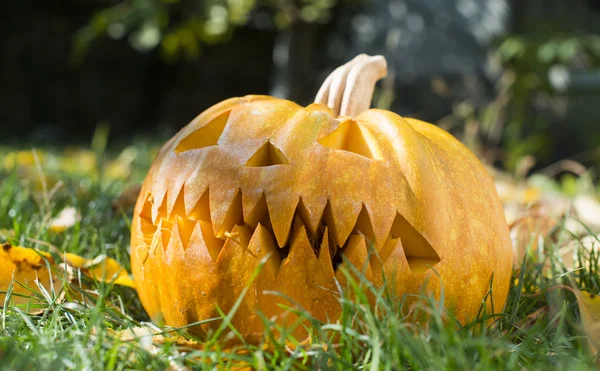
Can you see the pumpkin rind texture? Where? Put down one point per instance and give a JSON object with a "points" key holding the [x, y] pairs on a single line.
{"points": [[260, 179]]}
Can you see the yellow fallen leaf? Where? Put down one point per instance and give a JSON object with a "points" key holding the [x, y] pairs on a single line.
{"points": [[589, 310], [67, 218], [151, 339], [78, 161], [27, 271], [24, 273], [20, 159], [101, 268], [121, 166]]}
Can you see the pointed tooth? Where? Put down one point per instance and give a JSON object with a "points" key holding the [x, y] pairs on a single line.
{"points": [[175, 246], [381, 221], [146, 226], [194, 191], [356, 254], [157, 238], [158, 205], [378, 259], [214, 244], [312, 213], [205, 244], [185, 228], [235, 245], [166, 228], [159, 251], [302, 279], [340, 216], [184, 170], [281, 211], [262, 244], [176, 204], [146, 212], [301, 252], [225, 211], [201, 209], [196, 238], [254, 205], [297, 223], [235, 266], [325, 255], [172, 197], [365, 227], [394, 266]]}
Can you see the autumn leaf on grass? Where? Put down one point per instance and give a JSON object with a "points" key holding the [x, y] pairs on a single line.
{"points": [[67, 218], [152, 339], [32, 278], [23, 274], [589, 310], [101, 268], [121, 167]]}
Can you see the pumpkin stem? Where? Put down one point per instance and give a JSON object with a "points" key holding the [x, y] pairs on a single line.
{"points": [[349, 89]]}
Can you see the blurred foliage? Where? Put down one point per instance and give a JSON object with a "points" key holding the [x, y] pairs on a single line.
{"points": [[181, 27], [534, 92], [532, 95], [532, 61]]}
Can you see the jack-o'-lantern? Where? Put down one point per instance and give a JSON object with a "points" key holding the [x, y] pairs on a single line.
{"points": [[310, 189]]}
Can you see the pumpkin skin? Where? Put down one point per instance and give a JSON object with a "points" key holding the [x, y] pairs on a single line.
{"points": [[259, 176]]}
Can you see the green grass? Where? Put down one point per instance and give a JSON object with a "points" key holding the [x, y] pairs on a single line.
{"points": [[539, 329]]}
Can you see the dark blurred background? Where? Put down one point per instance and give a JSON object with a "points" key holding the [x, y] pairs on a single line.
{"points": [[513, 79]]}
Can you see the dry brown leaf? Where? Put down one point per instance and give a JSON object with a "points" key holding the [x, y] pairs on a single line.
{"points": [[32, 273]]}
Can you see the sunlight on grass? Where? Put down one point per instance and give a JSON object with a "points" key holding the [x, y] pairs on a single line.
{"points": [[103, 326]]}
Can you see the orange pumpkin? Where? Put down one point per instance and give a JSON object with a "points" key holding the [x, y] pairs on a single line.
{"points": [[308, 188]]}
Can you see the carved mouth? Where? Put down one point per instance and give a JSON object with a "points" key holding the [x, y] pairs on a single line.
{"points": [[320, 231]]}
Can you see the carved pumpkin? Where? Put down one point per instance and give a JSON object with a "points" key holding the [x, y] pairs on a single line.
{"points": [[312, 188]]}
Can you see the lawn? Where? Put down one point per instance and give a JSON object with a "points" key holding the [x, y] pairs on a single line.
{"points": [[87, 324]]}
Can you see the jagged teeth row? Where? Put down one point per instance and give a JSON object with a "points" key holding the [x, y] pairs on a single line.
{"points": [[259, 244], [163, 225], [342, 218]]}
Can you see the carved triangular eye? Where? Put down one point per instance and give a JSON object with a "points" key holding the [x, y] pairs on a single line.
{"points": [[352, 137], [267, 155], [208, 135]]}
